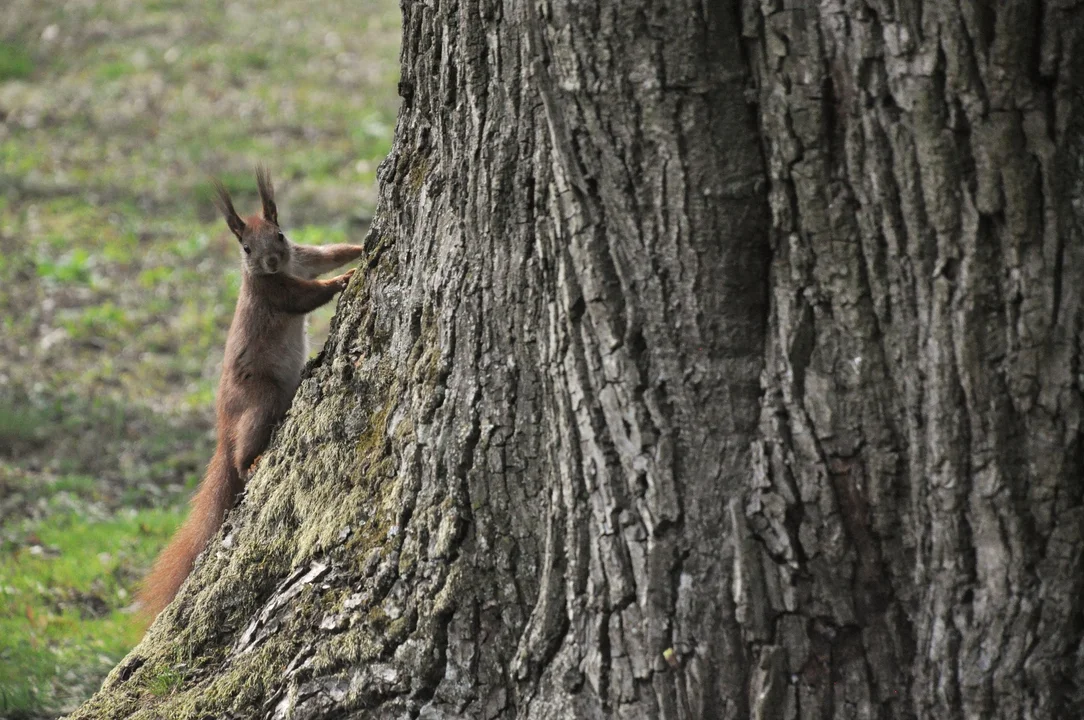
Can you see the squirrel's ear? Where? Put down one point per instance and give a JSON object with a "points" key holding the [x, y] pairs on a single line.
{"points": [[225, 206], [267, 194]]}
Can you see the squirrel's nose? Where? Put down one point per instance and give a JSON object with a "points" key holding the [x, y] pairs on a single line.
{"points": [[272, 265]]}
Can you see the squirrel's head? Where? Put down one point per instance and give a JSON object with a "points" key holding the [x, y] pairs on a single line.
{"points": [[264, 249]]}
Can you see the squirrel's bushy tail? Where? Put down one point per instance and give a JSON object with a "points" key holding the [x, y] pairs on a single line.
{"points": [[209, 505]]}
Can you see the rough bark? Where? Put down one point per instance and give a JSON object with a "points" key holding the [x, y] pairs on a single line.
{"points": [[710, 361]]}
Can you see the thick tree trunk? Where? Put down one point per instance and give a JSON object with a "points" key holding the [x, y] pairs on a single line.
{"points": [[710, 362]]}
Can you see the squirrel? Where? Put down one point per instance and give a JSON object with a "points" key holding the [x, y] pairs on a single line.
{"points": [[266, 350]]}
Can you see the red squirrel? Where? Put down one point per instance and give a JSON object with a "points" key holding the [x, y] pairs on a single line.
{"points": [[265, 352]]}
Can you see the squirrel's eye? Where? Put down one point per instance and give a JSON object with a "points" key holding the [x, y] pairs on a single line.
{"points": [[282, 237], [247, 249]]}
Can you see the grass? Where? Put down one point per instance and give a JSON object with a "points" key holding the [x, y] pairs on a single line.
{"points": [[118, 280], [15, 62], [66, 583], [165, 682]]}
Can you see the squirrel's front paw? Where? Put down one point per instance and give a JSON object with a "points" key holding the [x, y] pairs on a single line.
{"points": [[343, 280]]}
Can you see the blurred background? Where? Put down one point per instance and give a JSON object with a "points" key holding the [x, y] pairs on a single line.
{"points": [[118, 280]]}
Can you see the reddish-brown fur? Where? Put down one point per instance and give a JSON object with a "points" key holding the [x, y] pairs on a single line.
{"points": [[265, 352]]}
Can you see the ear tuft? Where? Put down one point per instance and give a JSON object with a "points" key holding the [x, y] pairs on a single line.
{"points": [[224, 204], [267, 194]]}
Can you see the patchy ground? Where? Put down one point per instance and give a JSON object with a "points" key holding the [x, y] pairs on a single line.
{"points": [[117, 281]]}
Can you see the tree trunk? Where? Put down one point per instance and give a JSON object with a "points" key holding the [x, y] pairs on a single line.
{"points": [[710, 362]]}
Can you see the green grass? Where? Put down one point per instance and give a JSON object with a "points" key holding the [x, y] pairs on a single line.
{"points": [[114, 70], [238, 183], [372, 133], [319, 235], [15, 61], [20, 424], [66, 582], [71, 267], [165, 682]]}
